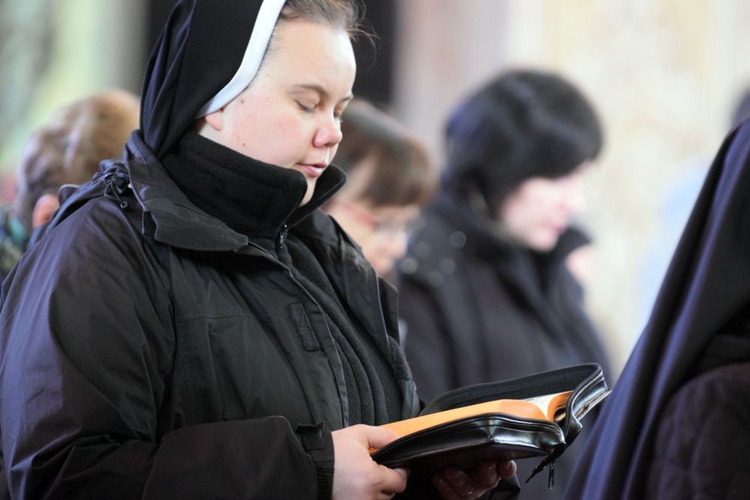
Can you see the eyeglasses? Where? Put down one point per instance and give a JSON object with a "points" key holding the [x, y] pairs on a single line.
{"points": [[378, 224]]}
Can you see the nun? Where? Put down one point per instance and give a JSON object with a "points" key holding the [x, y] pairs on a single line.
{"points": [[676, 423], [190, 324]]}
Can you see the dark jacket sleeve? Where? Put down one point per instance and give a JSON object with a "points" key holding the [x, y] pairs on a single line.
{"points": [[87, 347]]}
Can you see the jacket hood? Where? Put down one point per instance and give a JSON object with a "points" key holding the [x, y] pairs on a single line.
{"points": [[467, 230]]}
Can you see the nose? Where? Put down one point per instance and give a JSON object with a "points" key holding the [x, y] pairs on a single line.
{"points": [[328, 133]]}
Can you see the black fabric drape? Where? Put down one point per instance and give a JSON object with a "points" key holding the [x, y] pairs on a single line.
{"points": [[707, 284], [197, 53]]}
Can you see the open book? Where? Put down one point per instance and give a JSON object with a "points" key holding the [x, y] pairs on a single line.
{"points": [[533, 416], [549, 407]]}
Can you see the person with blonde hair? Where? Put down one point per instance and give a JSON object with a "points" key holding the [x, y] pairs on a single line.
{"points": [[66, 150]]}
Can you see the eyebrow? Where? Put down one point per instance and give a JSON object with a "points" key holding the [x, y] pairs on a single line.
{"points": [[319, 89]]}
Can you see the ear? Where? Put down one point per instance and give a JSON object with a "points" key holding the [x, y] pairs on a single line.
{"points": [[44, 209], [212, 125], [216, 120]]}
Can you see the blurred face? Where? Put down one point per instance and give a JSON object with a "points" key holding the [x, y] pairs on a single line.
{"points": [[290, 114], [541, 209], [381, 231]]}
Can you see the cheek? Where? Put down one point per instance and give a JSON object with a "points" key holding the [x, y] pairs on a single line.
{"points": [[516, 214], [289, 140], [525, 222], [247, 136], [542, 207], [267, 140]]}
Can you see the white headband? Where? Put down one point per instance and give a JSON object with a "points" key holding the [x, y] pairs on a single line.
{"points": [[268, 14]]}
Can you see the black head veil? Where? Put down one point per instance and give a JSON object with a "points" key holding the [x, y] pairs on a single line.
{"points": [[205, 47], [707, 283]]}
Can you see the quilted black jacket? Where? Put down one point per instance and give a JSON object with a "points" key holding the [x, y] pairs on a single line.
{"points": [[707, 418], [167, 356]]}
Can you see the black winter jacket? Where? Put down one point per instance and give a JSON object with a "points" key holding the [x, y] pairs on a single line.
{"points": [[477, 308], [168, 356]]}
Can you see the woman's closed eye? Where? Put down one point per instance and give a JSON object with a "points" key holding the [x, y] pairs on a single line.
{"points": [[338, 112], [306, 108]]}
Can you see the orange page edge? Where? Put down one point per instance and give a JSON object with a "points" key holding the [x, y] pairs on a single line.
{"points": [[542, 408]]}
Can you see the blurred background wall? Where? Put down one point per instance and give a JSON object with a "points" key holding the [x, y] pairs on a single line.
{"points": [[664, 75]]}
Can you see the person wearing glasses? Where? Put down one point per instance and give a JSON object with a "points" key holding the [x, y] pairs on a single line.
{"points": [[390, 177]]}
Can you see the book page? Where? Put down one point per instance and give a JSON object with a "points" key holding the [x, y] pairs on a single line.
{"points": [[552, 404], [539, 408]]}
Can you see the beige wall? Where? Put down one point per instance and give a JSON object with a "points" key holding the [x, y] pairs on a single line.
{"points": [[84, 46], [663, 73]]}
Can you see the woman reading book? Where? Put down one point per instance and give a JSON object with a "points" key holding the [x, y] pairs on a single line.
{"points": [[191, 325]]}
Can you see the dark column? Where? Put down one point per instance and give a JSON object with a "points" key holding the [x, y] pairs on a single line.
{"points": [[375, 58]]}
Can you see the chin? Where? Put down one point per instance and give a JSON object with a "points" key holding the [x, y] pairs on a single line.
{"points": [[308, 196], [382, 269], [544, 244]]}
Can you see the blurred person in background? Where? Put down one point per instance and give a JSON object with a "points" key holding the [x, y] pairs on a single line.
{"points": [[389, 178], [485, 292], [66, 150], [676, 423]]}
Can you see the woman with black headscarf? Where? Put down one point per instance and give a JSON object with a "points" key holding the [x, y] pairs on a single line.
{"points": [[485, 291], [676, 423], [190, 325]]}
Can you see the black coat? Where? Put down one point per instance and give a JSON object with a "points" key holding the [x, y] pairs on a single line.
{"points": [[165, 355], [476, 308], [677, 397]]}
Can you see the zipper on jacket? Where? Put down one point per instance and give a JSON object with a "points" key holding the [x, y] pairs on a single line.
{"points": [[281, 249]]}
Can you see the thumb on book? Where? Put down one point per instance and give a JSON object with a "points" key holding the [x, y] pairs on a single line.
{"points": [[377, 437]]}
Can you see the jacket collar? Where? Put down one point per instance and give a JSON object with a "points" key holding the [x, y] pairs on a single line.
{"points": [[173, 219], [484, 237]]}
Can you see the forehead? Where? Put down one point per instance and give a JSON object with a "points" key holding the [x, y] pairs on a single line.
{"points": [[300, 45]]}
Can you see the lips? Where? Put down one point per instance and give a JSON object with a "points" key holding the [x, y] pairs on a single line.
{"points": [[314, 171], [560, 226]]}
